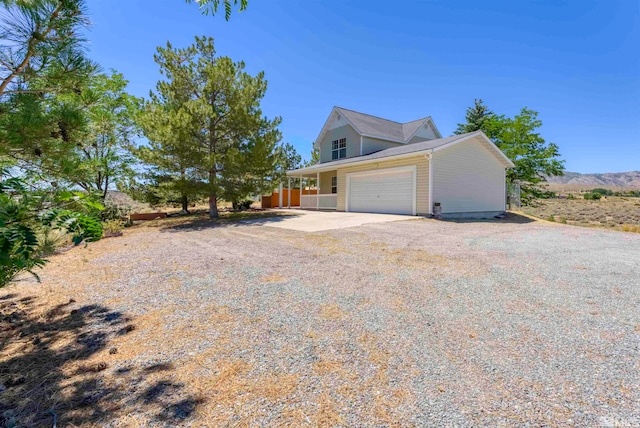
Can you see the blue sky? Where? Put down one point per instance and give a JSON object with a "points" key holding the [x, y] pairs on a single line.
{"points": [[575, 62]]}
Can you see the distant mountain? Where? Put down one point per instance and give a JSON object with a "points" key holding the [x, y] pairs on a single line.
{"points": [[619, 179]]}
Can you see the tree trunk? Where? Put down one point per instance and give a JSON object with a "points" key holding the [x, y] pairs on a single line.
{"points": [[185, 204], [213, 205], [213, 197]]}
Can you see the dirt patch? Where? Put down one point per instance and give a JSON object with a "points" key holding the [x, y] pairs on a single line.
{"points": [[617, 213], [53, 365], [420, 323]]}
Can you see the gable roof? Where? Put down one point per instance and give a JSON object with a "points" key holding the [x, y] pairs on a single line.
{"points": [[428, 146], [377, 127]]}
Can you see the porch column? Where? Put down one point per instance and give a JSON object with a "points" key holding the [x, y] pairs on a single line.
{"points": [[317, 191], [280, 196], [289, 193], [300, 192]]}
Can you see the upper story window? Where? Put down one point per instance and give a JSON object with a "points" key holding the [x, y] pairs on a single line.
{"points": [[339, 149]]}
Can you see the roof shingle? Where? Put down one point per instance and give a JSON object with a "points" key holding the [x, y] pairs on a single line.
{"points": [[379, 127]]}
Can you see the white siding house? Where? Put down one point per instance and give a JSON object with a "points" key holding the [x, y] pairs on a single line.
{"points": [[468, 177], [369, 164]]}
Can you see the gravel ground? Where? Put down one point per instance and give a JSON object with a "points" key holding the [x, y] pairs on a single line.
{"points": [[413, 323]]}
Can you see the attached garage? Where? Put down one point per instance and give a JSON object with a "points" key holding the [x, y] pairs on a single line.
{"points": [[389, 191], [462, 175]]}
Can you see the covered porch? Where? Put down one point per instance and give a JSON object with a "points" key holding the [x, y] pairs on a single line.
{"points": [[323, 183]]}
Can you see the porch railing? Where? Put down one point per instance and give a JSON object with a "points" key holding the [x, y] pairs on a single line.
{"points": [[319, 202]]}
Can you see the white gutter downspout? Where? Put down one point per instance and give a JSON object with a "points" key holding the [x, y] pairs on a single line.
{"points": [[430, 157], [361, 145]]}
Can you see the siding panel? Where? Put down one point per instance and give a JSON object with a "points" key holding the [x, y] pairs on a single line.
{"points": [[372, 145], [468, 177], [325, 182], [422, 180], [353, 142]]}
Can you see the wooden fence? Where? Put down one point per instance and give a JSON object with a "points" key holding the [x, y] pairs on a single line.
{"points": [[272, 200]]}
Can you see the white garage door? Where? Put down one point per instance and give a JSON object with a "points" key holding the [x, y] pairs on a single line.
{"points": [[389, 191]]}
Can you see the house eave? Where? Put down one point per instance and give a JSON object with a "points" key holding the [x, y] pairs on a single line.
{"points": [[331, 166]]}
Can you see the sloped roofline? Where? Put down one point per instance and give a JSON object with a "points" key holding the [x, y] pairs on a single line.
{"points": [[425, 147], [337, 110], [429, 120]]}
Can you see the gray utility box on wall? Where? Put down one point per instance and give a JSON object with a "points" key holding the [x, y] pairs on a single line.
{"points": [[437, 210]]}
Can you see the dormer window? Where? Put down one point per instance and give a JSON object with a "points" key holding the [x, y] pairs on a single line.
{"points": [[339, 149]]}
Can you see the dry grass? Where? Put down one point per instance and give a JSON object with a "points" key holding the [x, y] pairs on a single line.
{"points": [[328, 414], [199, 218], [563, 188], [415, 258], [232, 327], [631, 228], [274, 278], [52, 358], [617, 213], [331, 312]]}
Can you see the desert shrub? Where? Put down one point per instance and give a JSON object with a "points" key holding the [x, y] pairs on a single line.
{"points": [[551, 218], [26, 213], [50, 240], [114, 211], [571, 196], [601, 191], [592, 196], [82, 227], [243, 205], [113, 227]]}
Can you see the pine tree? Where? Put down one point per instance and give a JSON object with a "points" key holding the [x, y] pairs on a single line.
{"points": [[206, 116], [478, 117]]}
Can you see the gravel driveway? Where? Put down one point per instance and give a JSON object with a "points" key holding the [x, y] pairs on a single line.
{"points": [[411, 323]]}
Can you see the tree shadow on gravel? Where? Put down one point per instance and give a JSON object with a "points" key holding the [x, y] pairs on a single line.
{"points": [[510, 218], [195, 224], [54, 369]]}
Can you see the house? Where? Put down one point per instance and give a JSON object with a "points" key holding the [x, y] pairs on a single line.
{"points": [[375, 165]]}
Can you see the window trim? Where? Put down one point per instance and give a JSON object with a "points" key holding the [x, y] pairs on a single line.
{"points": [[339, 149]]}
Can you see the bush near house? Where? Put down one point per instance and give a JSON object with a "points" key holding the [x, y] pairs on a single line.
{"points": [[592, 196]]}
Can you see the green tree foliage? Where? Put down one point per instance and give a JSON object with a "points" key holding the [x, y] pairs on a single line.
{"points": [[592, 196], [166, 181], [102, 156], [211, 6], [534, 158], [205, 121], [25, 212], [601, 191], [40, 56], [42, 50], [315, 158], [477, 117], [41, 59], [290, 158]]}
